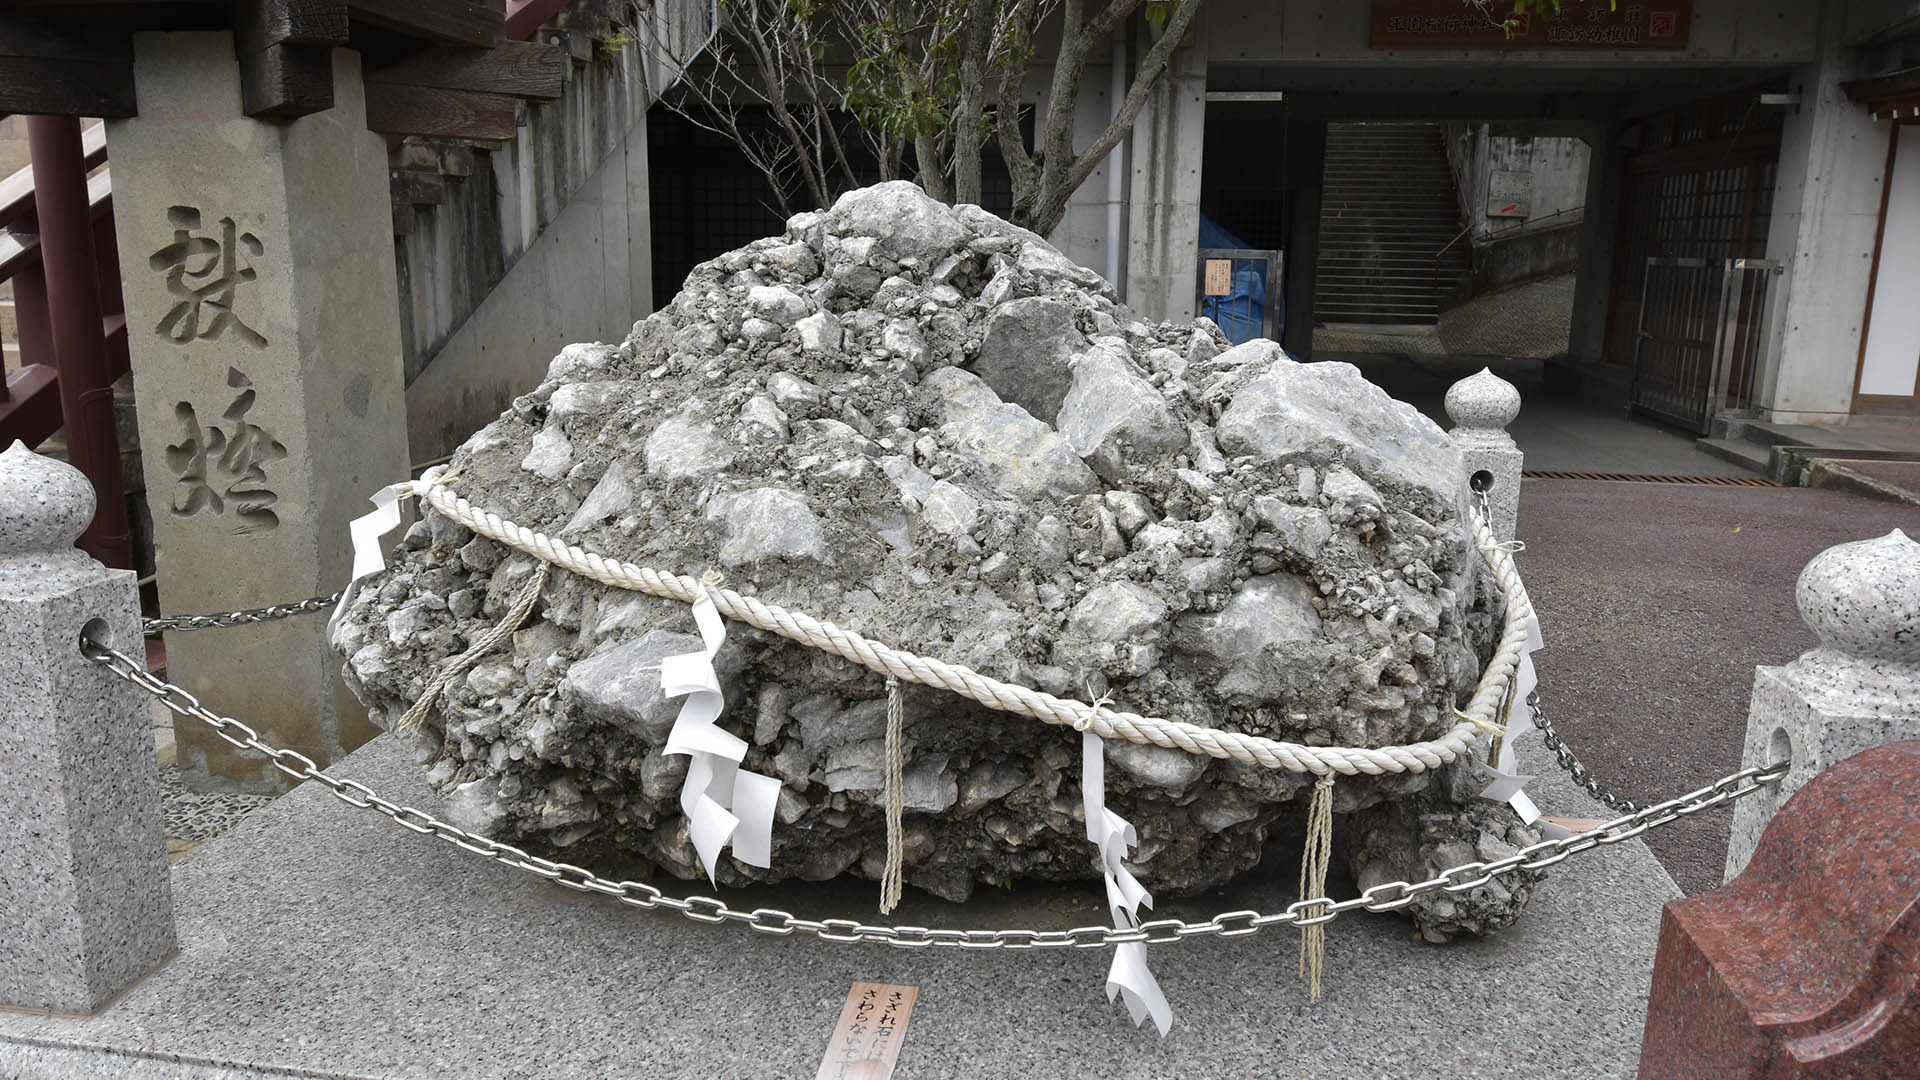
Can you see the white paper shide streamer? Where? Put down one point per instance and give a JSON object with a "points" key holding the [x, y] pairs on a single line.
{"points": [[1506, 784], [1112, 834], [366, 531], [722, 801]]}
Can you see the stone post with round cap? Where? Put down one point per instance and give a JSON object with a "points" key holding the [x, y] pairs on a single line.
{"points": [[1858, 689], [1481, 406], [85, 906]]}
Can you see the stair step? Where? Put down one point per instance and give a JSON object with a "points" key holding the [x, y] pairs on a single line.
{"points": [[1738, 451]]}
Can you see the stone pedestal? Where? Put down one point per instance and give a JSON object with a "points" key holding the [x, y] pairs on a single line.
{"points": [[85, 907], [1859, 689], [1481, 406], [1804, 965], [263, 317]]}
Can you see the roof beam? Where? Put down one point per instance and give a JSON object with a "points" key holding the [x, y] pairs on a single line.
{"points": [[285, 48], [55, 68], [451, 22], [516, 68], [399, 109]]}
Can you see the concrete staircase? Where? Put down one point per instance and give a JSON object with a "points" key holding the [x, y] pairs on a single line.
{"points": [[1387, 208]]}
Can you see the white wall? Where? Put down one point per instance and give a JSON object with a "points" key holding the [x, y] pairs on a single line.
{"points": [[1893, 333]]}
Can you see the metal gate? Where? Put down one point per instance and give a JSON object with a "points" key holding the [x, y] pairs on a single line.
{"points": [[1702, 340], [1239, 289]]}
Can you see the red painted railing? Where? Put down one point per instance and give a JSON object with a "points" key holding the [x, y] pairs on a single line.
{"points": [[58, 250]]}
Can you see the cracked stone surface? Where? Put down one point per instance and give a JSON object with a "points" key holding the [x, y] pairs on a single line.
{"points": [[840, 419]]}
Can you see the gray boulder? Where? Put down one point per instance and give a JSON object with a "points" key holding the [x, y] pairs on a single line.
{"points": [[1026, 354], [928, 427]]}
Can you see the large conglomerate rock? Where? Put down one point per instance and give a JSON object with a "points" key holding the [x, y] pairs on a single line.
{"points": [[929, 426]]}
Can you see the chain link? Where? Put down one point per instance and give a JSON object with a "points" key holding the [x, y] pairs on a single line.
{"points": [[179, 623], [1388, 896], [1562, 753]]}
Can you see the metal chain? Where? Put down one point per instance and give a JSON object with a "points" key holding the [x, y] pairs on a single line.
{"points": [[1388, 896], [1564, 755], [179, 623]]}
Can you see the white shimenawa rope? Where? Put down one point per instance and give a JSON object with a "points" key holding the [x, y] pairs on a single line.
{"points": [[1479, 715]]}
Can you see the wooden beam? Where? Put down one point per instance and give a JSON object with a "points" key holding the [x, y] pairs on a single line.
{"points": [[396, 109], [452, 22], [258, 24], [284, 82], [285, 48], [57, 68], [54, 39], [50, 87], [519, 68]]}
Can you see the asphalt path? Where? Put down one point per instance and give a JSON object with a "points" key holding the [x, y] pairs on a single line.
{"points": [[1656, 602]]}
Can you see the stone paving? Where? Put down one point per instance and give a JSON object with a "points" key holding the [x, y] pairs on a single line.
{"points": [[1528, 321], [192, 818]]}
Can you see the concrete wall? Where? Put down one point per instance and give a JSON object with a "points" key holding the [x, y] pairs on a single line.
{"points": [[1826, 210], [1511, 250], [547, 243], [1083, 235]]}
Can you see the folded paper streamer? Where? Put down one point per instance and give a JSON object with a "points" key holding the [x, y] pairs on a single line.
{"points": [[1110, 833], [366, 531], [1506, 785], [722, 801]]}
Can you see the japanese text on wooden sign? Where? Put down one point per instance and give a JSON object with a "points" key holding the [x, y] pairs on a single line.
{"points": [[1588, 24], [1219, 277], [866, 1042]]}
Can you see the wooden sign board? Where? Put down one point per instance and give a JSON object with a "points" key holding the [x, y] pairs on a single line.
{"points": [[1581, 24], [1219, 277], [866, 1042]]}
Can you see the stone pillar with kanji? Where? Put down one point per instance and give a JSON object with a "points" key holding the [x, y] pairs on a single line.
{"points": [[263, 320]]}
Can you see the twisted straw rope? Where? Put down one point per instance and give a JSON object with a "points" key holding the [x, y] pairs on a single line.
{"points": [[1478, 716]]}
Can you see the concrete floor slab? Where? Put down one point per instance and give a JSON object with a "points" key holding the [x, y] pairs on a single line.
{"points": [[322, 941], [1557, 433]]}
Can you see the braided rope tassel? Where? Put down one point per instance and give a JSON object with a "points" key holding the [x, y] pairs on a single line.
{"points": [[489, 641], [1313, 881], [896, 767]]}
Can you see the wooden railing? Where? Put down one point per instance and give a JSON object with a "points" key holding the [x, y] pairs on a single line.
{"points": [[59, 251]]}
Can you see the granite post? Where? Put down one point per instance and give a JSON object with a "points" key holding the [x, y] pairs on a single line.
{"points": [[85, 906], [263, 318], [1481, 406], [1803, 966], [1860, 688]]}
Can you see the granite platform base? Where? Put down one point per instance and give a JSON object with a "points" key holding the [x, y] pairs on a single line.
{"points": [[317, 940]]}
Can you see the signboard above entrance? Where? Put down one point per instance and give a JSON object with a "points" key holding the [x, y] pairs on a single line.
{"points": [[1581, 24]]}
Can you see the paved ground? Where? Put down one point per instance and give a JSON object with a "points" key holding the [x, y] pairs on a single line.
{"points": [[321, 941], [1557, 433], [1656, 601]]}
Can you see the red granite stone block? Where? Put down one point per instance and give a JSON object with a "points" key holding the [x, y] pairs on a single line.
{"points": [[1808, 963]]}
